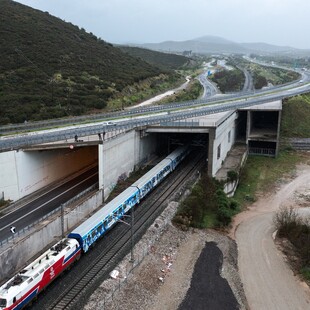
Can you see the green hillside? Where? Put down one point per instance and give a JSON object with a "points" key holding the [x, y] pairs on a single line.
{"points": [[50, 68], [163, 60], [295, 117]]}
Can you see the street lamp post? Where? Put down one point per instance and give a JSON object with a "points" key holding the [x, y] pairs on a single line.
{"points": [[132, 223]]}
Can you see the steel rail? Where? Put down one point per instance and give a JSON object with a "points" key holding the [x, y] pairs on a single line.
{"points": [[106, 261]]}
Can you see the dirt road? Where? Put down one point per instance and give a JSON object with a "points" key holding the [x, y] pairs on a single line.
{"points": [[268, 281]]}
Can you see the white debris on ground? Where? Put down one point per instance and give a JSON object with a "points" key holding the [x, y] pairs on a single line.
{"points": [[162, 278]]}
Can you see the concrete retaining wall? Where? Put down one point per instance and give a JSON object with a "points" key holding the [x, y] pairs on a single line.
{"points": [[18, 252], [230, 187], [22, 173], [225, 136], [120, 156]]}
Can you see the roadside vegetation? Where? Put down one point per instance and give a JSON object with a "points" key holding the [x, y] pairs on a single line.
{"points": [[207, 206], [143, 90], [262, 173], [229, 80], [293, 227], [192, 92], [263, 76], [4, 203], [287, 61]]}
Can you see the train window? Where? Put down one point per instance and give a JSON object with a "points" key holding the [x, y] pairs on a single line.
{"points": [[100, 228], [29, 280], [106, 223], [93, 234], [41, 270], [14, 300], [36, 275], [2, 302]]}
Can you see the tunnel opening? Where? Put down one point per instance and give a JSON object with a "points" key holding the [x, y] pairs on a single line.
{"points": [[241, 125], [170, 141], [31, 170]]}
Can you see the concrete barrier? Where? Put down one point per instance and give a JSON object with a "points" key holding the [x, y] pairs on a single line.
{"points": [[20, 251]]}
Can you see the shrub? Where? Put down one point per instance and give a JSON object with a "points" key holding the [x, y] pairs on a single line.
{"points": [[285, 220], [232, 175]]}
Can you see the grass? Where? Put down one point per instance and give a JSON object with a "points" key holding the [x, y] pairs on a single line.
{"points": [[261, 173], [295, 117], [305, 272]]}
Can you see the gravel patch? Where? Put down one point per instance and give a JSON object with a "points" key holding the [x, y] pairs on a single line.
{"points": [[164, 265]]}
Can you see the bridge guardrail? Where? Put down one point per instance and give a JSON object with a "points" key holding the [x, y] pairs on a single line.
{"points": [[28, 228], [7, 144]]}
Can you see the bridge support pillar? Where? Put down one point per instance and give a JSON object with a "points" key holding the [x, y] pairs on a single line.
{"points": [[211, 152]]}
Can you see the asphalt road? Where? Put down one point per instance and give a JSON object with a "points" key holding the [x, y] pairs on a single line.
{"points": [[46, 203], [268, 281], [208, 289]]}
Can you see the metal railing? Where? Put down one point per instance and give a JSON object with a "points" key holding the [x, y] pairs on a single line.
{"points": [[12, 143], [68, 203], [262, 151]]}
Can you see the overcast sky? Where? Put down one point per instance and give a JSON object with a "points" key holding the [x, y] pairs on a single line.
{"points": [[280, 22]]}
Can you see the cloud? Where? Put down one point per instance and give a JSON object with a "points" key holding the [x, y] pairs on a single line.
{"points": [[158, 20]]}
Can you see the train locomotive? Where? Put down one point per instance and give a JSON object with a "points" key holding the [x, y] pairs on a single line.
{"points": [[29, 282], [17, 292]]}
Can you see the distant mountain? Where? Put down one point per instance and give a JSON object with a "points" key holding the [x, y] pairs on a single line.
{"points": [[203, 45], [269, 48], [218, 45]]}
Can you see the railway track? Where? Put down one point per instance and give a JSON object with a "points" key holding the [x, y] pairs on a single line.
{"points": [[118, 246]]}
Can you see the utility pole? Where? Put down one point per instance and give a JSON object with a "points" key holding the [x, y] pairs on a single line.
{"points": [[132, 259], [62, 221]]}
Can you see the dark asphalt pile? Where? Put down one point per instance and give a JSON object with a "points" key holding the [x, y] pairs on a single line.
{"points": [[208, 289]]}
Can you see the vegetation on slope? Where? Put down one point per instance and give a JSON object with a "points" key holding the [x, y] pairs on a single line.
{"points": [[263, 75], [207, 206], [163, 60], [229, 80], [295, 117], [296, 229], [284, 60], [261, 173], [50, 68]]}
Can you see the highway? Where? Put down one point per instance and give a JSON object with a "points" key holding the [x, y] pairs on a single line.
{"points": [[157, 115], [143, 116], [47, 202]]}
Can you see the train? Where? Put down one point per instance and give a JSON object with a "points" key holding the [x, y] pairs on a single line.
{"points": [[25, 286]]}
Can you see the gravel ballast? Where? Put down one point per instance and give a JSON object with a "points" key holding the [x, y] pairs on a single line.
{"points": [[164, 271]]}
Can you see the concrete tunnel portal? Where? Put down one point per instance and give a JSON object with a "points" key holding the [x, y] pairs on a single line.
{"points": [[25, 171]]}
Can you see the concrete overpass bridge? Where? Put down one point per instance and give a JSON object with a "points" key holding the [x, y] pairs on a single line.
{"points": [[30, 161]]}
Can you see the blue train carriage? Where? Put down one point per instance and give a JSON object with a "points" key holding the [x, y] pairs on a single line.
{"points": [[178, 155], [160, 171], [96, 226]]}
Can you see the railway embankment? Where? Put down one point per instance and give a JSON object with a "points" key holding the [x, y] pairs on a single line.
{"points": [[32, 242], [167, 259]]}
